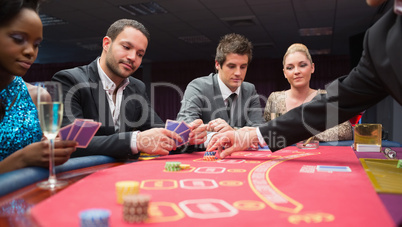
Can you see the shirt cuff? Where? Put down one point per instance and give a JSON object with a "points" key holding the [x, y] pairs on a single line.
{"points": [[260, 138], [209, 136], [133, 143]]}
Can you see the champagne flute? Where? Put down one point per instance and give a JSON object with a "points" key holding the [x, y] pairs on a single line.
{"points": [[50, 102]]}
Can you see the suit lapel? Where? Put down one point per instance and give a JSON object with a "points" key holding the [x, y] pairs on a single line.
{"points": [[99, 98]]}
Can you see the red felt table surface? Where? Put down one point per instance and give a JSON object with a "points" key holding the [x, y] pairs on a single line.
{"points": [[250, 188]]}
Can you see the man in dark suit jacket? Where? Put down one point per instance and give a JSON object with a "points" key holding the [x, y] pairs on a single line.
{"points": [[378, 74], [105, 92], [208, 97]]}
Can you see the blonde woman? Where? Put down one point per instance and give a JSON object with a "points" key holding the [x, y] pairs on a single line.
{"points": [[298, 67]]}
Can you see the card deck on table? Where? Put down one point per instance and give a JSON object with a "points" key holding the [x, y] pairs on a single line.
{"points": [[333, 168], [81, 130]]}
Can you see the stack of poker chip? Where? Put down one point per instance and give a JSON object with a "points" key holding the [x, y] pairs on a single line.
{"points": [[209, 156], [172, 166], [94, 217], [124, 188], [135, 208]]}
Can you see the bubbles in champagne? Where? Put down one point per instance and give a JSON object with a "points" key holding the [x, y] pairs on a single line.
{"points": [[50, 116]]}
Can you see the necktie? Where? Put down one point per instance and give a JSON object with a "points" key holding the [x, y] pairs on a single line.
{"points": [[230, 100]]}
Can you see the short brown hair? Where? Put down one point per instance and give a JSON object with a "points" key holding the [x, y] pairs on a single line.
{"points": [[118, 26], [233, 44]]}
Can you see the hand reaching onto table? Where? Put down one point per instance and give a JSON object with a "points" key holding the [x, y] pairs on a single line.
{"points": [[233, 141]]}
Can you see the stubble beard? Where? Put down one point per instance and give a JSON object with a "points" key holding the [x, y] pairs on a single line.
{"points": [[114, 68]]}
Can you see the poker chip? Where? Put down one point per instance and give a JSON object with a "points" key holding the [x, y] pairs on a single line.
{"points": [[145, 156], [135, 208], [124, 188], [94, 217], [185, 166], [172, 166], [399, 164], [209, 156]]}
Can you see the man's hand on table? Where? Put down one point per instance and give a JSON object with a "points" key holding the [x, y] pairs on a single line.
{"points": [[231, 141]]}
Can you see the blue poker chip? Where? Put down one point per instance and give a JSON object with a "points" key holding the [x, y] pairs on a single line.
{"points": [[94, 217], [209, 153]]}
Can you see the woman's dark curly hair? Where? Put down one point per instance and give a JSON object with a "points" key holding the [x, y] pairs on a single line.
{"points": [[8, 10]]}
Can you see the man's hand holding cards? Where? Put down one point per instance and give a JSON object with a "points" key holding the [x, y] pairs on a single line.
{"points": [[193, 133], [180, 128], [81, 130]]}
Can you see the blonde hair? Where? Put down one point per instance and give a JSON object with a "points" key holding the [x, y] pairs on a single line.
{"points": [[297, 47]]}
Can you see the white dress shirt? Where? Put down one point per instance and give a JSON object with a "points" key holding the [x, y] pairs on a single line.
{"points": [[115, 107]]}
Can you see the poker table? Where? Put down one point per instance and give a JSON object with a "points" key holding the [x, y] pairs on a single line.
{"points": [[291, 187]]}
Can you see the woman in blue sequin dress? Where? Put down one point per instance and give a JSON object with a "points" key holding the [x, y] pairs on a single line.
{"points": [[21, 142]]}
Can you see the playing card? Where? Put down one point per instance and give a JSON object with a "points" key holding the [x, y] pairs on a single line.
{"points": [[185, 136], [63, 133], [76, 125], [86, 133], [171, 125], [81, 130], [181, 128]]}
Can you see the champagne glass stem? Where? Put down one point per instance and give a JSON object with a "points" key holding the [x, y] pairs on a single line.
{"points": [[52, 170]]}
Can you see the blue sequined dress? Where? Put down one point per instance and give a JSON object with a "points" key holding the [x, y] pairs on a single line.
{"points": [[20, 125]]}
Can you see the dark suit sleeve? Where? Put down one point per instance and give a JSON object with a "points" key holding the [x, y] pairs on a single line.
{"points": [[346, 97], [115, 145], [78, 103]]}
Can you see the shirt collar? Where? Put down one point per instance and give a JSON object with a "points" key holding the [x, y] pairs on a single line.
{"points": [[226, 92], [108, 84]]}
